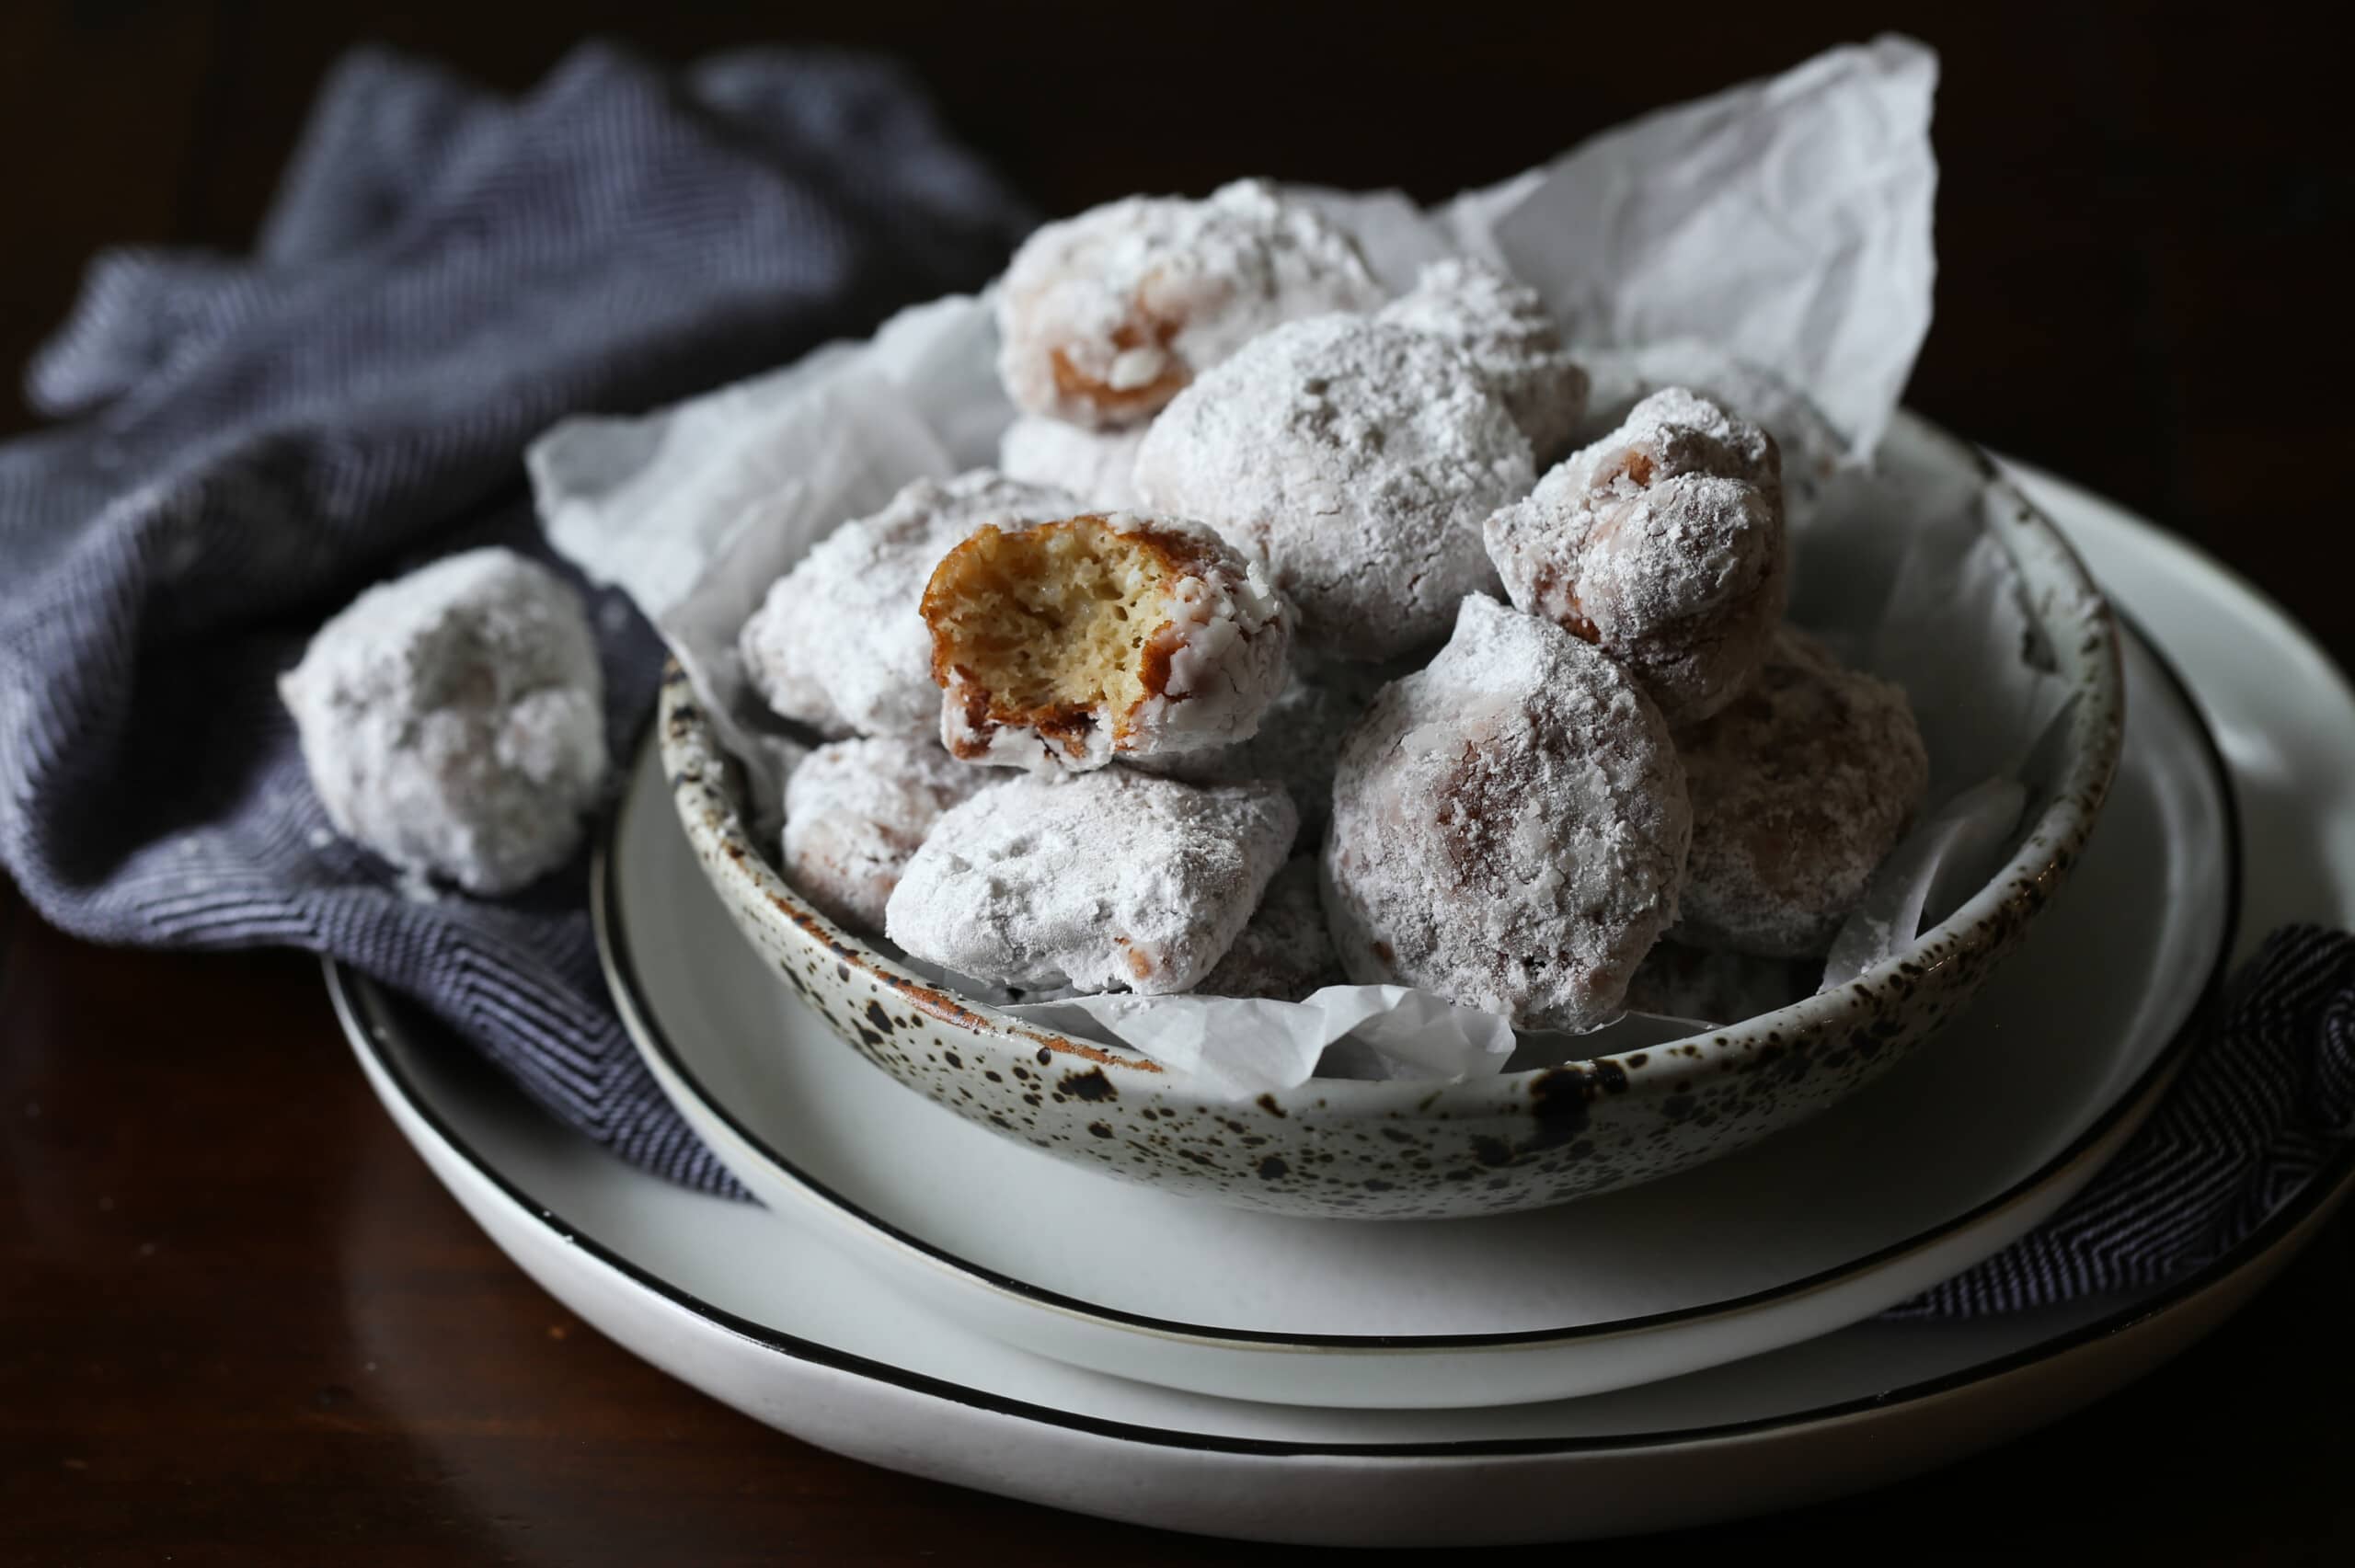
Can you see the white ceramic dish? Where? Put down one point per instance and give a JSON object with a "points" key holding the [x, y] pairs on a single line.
{"points": [[2022, 1100], [707, 1291], [760, 1315], [1514, 1142]]}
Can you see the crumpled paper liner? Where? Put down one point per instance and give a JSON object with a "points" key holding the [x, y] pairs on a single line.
{"points": [[1772, 243]]}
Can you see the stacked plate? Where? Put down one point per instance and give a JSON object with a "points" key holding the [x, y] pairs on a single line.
{"points": [[919, 1291]]}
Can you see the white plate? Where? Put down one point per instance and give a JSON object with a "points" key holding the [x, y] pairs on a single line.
{"points": [[1958, 1150], [752, 1313], [701, 1289]]}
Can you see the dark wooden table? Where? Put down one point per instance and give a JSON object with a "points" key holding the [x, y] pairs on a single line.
{"points": [[2143, 228]]}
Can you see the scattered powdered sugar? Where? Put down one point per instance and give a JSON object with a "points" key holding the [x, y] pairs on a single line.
{"points": [[452, 720], [1510, 827], [614, 615], [1098, 466], [1358, 459], [856, 811], [1664, 543], [1946, 857], [1502, 326], [1104, 316], [1714, 989], [1210, 670], [839, 643], [1801, 788], [1103, 881], [1285, 951]]}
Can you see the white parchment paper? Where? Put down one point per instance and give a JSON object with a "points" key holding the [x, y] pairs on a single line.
{"points": [[1770, 244]]}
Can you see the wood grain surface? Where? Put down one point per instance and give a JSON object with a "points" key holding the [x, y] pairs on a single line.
{"points": [[2143, 226]]}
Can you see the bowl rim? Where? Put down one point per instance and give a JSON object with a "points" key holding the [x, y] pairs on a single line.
{"points": [[2092, 664], [647, 1034]]}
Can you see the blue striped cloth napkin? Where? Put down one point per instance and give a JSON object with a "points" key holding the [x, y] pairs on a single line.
{"points": [[248, 441], [2264, 1100]]}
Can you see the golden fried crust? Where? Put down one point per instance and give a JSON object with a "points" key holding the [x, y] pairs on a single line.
{"points": [[1121, 404], [1086, 633], [1663, 544], [1105, 317]]}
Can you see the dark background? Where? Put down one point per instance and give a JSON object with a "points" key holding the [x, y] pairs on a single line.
{"points": [[2144, 224], [2145, 217]]}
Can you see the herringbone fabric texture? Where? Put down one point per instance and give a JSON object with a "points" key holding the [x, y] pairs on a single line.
{"points": [[250, 441], [2260, 1105]]}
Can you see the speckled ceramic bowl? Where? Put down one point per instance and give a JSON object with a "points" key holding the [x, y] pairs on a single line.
{"points": [[1520, 1141]]}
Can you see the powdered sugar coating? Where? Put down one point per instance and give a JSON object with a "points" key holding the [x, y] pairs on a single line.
{"points": [[1503, 327], [1097, 466], [1211, 668], [1664, 543], [1510, 825], [1801, 788], [856, 811], [452, 720], [1285, 952], [1104, 881], [1104, 317], [1358, 459], [1809, 450], [839, 643], [1298, 740], [1680, 432]]}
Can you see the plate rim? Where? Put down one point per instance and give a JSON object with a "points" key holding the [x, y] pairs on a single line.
{"points": [[361, 1004], [652, 1043]]}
